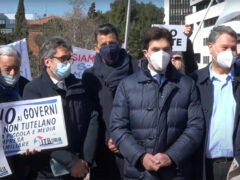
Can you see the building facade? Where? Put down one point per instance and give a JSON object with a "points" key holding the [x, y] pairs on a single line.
{"points": [[176, 10], [210, 16], [7, 22]]}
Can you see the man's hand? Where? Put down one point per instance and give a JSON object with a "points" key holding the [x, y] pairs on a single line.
{"points": [[150, 163], [28, 152], [112, 147], [163, 160], [79, 169], [187, 30]]}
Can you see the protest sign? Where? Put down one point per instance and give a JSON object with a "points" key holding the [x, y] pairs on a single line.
{"points": [[21, 47], [83, 59], [179, 38], [33, 124], [4, 167]]}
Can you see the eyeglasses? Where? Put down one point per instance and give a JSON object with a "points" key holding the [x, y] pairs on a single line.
{"points": [[64, 59], [177, 58]]}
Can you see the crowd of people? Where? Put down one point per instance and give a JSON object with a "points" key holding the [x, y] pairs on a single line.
{"points": [[158, 118]]}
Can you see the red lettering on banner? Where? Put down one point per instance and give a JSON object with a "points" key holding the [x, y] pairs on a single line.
{"points": [[83, 58]]}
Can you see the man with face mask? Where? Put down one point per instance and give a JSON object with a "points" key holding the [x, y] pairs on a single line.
{"points": [[156, 120], [219, 87], [11, 83], [111, 65], [11, 89], [80, 118]]}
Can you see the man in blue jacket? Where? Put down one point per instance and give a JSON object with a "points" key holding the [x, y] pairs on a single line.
{"points": [[156, 120]]}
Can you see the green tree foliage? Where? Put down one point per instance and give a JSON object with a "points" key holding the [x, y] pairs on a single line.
{"points": [[6, 38], [142, 17], [92, 11], [20, 30]]}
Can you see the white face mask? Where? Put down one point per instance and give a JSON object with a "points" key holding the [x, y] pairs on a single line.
{"points": [[226, 59], [160, 60]]}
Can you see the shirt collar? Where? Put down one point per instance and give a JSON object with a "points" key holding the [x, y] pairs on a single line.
{"points": [[214, 76], [55, 81], [154, 73]]}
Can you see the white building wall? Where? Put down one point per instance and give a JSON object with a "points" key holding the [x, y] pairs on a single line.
{"points": [[166, 11], [196, 18]]}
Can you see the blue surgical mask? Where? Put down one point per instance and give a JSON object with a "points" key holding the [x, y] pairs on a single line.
{"points": [[110, 53], [63, 70], [7, 80]]}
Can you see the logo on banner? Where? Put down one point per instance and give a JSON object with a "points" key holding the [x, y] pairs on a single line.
{"points": [[40, 141]]}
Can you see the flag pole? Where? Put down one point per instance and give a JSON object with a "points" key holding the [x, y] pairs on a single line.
{"points": [[199, 27], [127, 24]]}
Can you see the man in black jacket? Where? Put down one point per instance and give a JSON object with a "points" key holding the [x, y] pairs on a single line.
{"points": [[111, 65], [219, 87], [11, 89], [156, 120], [80, 118]]}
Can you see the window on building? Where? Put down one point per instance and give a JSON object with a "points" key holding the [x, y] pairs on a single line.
{"points": [[12, 21], [210, 22], [6, 31], [2, 21], [205, 59], [205, 41]]}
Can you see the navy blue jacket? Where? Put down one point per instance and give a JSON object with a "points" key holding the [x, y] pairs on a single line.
{"points": [[151, 118], [205, 87]]}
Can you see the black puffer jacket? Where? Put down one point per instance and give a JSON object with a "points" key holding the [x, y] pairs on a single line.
{"points": [[166, 118], [80, 119]]}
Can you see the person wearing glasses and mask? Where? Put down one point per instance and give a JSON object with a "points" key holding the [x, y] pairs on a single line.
{"points": [[80, 117], [156, 120], [111, 65], [177, 61], [219, 87]]}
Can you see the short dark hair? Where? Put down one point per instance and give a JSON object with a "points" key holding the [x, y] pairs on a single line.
{"points": [[50, 46], [106, 29], [156, 33], [219, 30]]}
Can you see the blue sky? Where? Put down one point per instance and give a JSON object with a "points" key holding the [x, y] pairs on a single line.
{"points": [[58, 7]]}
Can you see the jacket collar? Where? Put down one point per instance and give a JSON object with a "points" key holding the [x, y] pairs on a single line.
{"points": [[145, 76], [71, 82], [205, 74]]}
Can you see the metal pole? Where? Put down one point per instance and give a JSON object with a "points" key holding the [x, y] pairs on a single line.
{"points": [[127, 24], [199, 27]]}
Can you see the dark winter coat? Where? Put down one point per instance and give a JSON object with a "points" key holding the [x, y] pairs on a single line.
{"points": [[102, 94], [205, 86], [80, 119], [152, 118]]}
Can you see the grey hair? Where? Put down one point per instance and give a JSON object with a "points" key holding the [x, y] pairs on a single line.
{"points": [[50, 46], [219, 30], [10, 51]]}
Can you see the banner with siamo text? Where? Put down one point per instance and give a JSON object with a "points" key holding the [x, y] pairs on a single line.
{"points": [[82, 60], [33, 124]]}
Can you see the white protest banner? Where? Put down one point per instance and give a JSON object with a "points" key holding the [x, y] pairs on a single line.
{"points": [[179, 38], [21, 47], [83, 59], [33, 124], [4, 167]]}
